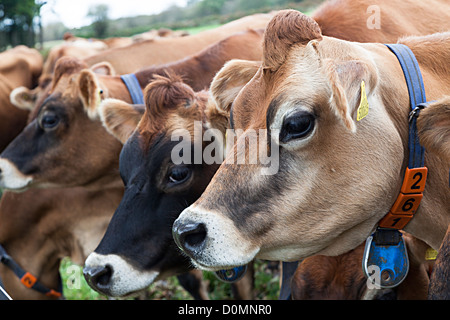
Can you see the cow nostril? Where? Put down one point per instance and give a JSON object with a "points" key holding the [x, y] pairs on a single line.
{"points": [[197, 237], [190, 237], [98, 277]]}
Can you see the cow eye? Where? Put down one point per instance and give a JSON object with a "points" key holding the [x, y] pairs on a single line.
{"points": [[296, 126], [179, 174], [49, 120]]}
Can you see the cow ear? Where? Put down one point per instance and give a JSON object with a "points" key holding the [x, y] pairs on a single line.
{"points": [[345, 80], [120, 118], [433, 127], [24, 98], [287, 27], [89, 92], [167, 92], [103, 68], [227, 83]]}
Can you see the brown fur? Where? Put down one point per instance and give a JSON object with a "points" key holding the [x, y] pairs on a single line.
{"points": [[19, 66], [168, 101], [347, 20], [202, 66], [59, 223], [285, 29], [164, 50], [440, 278], [433, 127]]}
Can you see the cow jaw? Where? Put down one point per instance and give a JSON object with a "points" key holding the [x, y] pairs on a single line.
{"points": [[11, 178], [124, 279]]}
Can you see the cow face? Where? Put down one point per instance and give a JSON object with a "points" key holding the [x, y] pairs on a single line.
{"points": [[138, 246], [336, 176], [64, 144]]}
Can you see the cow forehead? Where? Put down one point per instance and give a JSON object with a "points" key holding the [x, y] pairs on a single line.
{"points": [[298, 81]]}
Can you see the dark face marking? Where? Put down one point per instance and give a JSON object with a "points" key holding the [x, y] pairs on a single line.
{"points": [[39, 138], [156, 192]]}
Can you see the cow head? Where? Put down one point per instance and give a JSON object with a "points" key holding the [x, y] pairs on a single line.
{"points": [[138, 246], [64, 143], [336, 176]]}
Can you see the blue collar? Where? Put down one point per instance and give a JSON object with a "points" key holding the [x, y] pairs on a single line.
{"points": [[134, 88]]}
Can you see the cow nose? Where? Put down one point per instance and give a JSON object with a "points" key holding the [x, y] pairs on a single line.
{"points": [[98, 277], [190, 237]]}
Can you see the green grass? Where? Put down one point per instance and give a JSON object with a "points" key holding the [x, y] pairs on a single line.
{"points": [[76, 288], [195, 30]]}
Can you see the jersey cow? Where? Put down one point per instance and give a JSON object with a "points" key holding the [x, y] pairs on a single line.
{"points": [[335, 177]]}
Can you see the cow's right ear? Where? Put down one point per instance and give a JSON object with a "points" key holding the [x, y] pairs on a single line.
{"points": [[24, 98], [227, 83], [433, 126], [120, 118]]}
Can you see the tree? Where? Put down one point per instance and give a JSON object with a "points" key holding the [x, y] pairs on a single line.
{"points": [[99, 15], [17, 22]]}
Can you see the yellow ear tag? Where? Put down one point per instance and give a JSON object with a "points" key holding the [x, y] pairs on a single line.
{"points": [[431, 254], [363, 109]]}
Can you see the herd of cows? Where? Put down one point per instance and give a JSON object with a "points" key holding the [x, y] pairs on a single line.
{"points": [[89, 173]]}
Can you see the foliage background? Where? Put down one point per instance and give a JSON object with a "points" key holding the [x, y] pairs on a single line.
{"points": [[20, 21]]}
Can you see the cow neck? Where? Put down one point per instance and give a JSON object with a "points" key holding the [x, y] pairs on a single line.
{"points": [[414, 181]]}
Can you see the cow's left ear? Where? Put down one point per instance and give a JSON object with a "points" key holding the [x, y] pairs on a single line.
{"points": [[433, 126], [345, 80], [89, 92], [120, 118], [24, 98], [104, 68]]}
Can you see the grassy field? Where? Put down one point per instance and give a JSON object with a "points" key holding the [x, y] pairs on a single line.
{"points": [[266, 285]]}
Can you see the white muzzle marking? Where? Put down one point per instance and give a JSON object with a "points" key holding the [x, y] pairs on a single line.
{"points": [[11, 178]]}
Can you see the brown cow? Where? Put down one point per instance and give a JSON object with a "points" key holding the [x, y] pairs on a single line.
{"points": [[334, 181], [168, 117], [19, 66]]}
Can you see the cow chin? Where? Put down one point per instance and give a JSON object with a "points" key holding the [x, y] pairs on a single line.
{"points": [[123, 278], [11, 178], [222, 246]]}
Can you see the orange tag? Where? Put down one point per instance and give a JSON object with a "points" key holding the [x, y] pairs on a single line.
{"points": [[54, 294], [394, 221], [414, 181], [28, 280], [406, 203]]}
